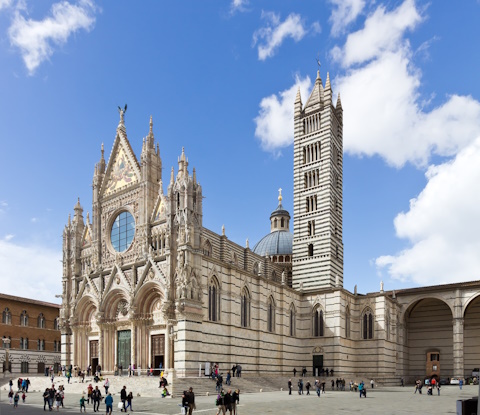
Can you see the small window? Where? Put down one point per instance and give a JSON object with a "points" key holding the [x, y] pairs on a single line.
{"points": [[55, 324], [24, 318], [367, 323], [292, 321], [435, 357], [245, 308], [310, 250], [318, 323], [41, 321], [6, 342], [214, 301], [7, 316]]}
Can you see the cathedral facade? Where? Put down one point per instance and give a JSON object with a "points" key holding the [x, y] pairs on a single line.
{"points": [[145, 283]]}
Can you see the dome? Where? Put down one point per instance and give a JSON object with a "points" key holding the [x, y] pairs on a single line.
{"points": [[275, 243]]}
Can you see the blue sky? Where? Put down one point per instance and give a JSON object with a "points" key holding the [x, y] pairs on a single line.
{"points": [[219, 79]]}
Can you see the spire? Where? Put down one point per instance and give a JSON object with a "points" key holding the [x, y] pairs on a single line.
{"points": [[280, 198], [69, 219], [315, 102], [172, 177], [328, 91], [78, 206], [298, 103], [194, 176], [318, 77], [151, 125], [103, 153], [339, 103]]}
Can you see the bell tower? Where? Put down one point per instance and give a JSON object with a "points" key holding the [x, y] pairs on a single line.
{"points": [[317, 190]]}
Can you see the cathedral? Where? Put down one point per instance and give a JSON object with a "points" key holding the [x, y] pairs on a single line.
{"points": [[145, 283]]}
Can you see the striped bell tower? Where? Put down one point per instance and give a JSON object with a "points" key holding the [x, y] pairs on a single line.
{"points": [[317, 190]]}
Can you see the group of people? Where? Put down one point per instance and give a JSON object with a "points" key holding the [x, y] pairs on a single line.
{"points": [[51, 396], [323, 372], [434, 384], [188, 402], [227, 401]]}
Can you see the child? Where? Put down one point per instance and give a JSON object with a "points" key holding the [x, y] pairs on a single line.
{"points": [[15, 400], [82, 404], [23, 397]]}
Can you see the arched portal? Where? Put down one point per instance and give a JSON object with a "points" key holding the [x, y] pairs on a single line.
{"points": [[429, 326], [471, 336]]}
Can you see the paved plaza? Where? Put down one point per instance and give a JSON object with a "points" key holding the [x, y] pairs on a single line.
{"points": [[395, 400]]}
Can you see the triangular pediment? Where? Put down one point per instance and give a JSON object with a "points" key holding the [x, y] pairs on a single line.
{"points": [[87, 236], [123, 169], [160, 210]]}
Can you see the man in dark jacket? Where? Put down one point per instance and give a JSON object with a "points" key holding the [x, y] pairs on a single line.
{"points": [[123, 398], [289, 386], [228, 401], [191, 401], [96, 397]]}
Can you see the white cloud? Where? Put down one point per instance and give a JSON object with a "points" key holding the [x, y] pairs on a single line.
{"points": [[238, 6], [380, 92], [5, 3], [275, 119], [271, 37], [30, 271], [344, 12], [442, 225], [9, 237], [37, 39], [383, 32]]}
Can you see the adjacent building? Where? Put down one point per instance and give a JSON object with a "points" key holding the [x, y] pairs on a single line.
{"points": [[145, 283], [30, 335]]}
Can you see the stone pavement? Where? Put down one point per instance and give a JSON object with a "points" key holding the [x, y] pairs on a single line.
{"points": [[391, 400]]}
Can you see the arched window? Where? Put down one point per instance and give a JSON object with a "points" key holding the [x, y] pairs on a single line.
{"points": [[347, 322], [7, 316], [317, 322], [23, 343], [292, 321], [41, 321], [275, 223], [207, 248], [367, 324], [213, 300], [271, 315], [40, 344], [24, 318], [245, 308], [282, 222]]}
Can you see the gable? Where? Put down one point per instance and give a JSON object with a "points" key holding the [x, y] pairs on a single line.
{"points": [[87, 237], [160, 209], [123, 169]]}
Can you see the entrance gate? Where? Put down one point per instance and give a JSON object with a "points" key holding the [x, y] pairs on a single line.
{"points": [[94, 355], [317, 364], [124, 348], [158, 353]]}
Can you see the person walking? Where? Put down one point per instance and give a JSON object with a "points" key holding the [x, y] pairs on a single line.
{"points": [[82, 404], [16, 398], [220, 402], [460, 384], [97, 397], [318, 387], [129, 402], [109, 403], [300, 386], [123, 398], [307, 386], [289, 386], [106, 385], [372, 383], [235, 400], [191, 401], [294, 372], [227, 381]]}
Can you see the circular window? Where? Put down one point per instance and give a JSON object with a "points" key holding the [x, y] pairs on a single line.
{"points": [[123, 231]]}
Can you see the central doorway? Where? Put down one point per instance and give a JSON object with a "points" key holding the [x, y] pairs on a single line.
{"points": [[124, 348], [158, 353], [94, 355], [317, 364]]}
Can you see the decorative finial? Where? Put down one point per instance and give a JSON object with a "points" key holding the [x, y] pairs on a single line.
{"points": [[223, 230], [151, 125], [102, 150], [247, 245], [280, 198]]}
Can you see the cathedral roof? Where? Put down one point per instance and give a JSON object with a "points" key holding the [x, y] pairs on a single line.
{"points": [[275, 243]]}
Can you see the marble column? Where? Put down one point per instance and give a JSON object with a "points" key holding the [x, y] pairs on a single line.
{"points": [[101, 360], [134, 344], [458, 369]]}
